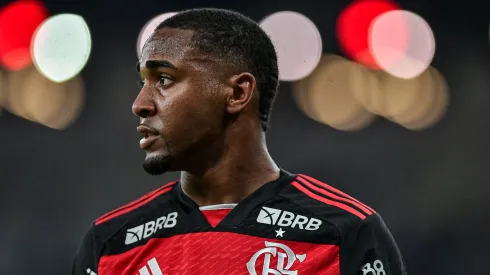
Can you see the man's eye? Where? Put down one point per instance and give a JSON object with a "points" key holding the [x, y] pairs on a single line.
{"points": [[164, 81]]}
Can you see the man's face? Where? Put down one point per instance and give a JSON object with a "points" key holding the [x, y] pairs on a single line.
{"points": [[181, 103]]}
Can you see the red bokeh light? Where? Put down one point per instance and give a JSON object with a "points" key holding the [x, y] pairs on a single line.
{"points": [[18, 22], [353, 28]]}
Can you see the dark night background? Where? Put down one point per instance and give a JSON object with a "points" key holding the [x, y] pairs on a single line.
{"points": [[432, 187]]}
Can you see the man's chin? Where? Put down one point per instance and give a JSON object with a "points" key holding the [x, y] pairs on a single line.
{"points": [[156, 165]]}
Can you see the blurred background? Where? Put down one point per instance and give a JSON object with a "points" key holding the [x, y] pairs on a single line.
{"points": [[388, 101]]}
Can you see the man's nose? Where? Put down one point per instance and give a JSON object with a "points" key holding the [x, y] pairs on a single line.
{"points": [[144, 106]]}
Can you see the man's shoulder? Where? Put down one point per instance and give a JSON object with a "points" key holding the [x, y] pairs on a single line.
{"points": [[327, 202], [133, 210], [128, 220]]}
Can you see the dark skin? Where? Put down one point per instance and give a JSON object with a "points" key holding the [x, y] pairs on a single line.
{"points": [[202, 118]]}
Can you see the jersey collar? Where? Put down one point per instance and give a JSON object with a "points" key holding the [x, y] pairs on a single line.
{"points": [[241, 211]]}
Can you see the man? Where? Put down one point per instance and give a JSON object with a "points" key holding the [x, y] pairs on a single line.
{"points": [[209, 79]]}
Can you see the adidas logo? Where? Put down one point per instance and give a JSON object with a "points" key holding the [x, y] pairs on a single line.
{"points": [[154, 268], [284, 218], [144, 231]]}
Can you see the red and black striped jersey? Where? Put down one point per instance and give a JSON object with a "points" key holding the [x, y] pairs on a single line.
{"points": [[295, 225]]}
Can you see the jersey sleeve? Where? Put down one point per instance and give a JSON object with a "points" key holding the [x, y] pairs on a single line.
{"points": [[369, 249], [87, 256]]}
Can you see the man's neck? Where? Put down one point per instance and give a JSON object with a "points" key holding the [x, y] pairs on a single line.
{"points": [[243, 168]]}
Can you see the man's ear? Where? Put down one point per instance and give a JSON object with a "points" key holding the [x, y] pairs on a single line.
{"points": [[243, 86]]}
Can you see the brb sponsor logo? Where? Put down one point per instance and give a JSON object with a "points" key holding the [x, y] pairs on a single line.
{"points": [[285, 260], [144, 231], [284, 218]]}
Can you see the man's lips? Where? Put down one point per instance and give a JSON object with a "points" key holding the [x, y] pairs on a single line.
{"points": [[150, 135]]}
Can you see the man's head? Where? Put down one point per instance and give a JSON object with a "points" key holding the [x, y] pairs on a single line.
{"points": [[204, 71]]}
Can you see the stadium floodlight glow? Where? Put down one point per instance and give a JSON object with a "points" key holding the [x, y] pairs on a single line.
{"points": [[61, 47], [297, 42], [149, 28], [418, 55]]}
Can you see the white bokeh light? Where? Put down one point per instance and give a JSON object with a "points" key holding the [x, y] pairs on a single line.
{"points": [[402, 63], [61, 47], [149, 28], [297, 42]]}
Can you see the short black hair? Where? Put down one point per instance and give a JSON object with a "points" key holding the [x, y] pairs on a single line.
{"points": [[239, 41]]}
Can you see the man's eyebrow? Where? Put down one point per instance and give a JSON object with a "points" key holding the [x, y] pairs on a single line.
{"points": [[156, 64]]}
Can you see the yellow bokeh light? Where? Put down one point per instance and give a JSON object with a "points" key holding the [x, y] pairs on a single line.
{"points": [[36, 98], [326, 95]]}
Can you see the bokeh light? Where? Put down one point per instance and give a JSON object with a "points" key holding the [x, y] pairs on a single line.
{"points": [[42, 98], [55, 105], [331, 96], [72, 105], [326, 95], [434, 111], [387, 34], [62, 46], [36, 98], [416, 103], [2, 92], [348, 96], [404, 96], [301, 95], [149, 28], [297, 42], [18, 21], [367, 90], [353, 25], [302, 88], [14, 92]]}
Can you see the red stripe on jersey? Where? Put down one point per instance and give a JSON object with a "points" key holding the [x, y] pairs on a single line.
{"points": [[137, 201], [333, 189], [217, 253], [135, 204], [215, 216], [327, 201], [333, 196]]}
